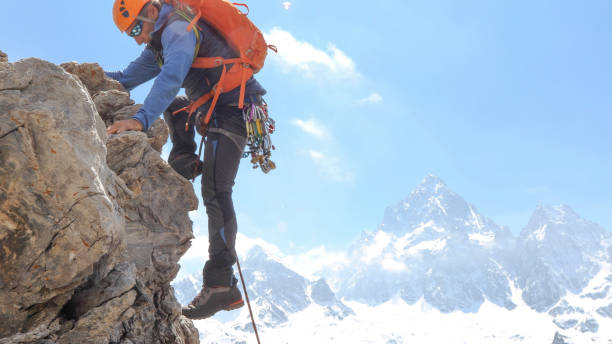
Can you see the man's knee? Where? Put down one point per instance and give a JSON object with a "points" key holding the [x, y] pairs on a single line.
{"points": [[178, 103]]}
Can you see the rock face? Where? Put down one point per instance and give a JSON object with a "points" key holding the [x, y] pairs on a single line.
{"points": [[91, 227]]}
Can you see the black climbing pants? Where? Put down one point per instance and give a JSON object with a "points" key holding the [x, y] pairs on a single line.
{"points": [[223, 150]]}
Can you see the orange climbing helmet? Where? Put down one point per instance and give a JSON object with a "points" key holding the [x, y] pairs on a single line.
{"points": [[126, 11]]}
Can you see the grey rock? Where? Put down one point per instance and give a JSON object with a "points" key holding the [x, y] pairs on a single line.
{"points": [[598, 295], [35, 335], [158, 134], [589, 325], [58, 208], [116, 283], [112, 101], [564, 308], [91, 227], [322, 294], [124, 113], [3, 56], [14, 76], [109, 102], [565, 324], [187, 331], [561, 339], [93, 327], [605, 311], [92, 76]]}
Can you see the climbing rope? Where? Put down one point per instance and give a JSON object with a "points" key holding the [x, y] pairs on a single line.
{"points": [[248, 302], [259, 126]]}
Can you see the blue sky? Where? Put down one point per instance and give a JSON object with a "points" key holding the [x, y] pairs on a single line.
{"points": [[508, 102]]}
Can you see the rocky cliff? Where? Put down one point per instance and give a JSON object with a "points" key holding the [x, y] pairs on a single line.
{"points": [[91, 226]]}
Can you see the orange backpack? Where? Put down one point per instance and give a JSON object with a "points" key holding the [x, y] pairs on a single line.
{"points": [[242, 36]]}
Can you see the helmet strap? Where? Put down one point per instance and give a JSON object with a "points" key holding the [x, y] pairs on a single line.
{"points": [[145, 19]]}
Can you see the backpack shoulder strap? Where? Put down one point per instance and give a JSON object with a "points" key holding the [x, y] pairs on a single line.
{"points": [[183, 14]]}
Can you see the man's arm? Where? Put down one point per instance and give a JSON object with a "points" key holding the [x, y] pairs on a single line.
{"points": [[179, 48], [139, 71]]}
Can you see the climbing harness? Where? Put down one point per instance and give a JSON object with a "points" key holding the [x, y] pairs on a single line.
{"points": [[259, 126], [246, 295]]}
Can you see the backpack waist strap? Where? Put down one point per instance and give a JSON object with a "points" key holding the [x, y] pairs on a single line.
{"points": [[236, 76]]}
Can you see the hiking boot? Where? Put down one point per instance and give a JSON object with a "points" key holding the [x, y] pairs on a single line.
{"points": [[187, 165], [210, 300]]}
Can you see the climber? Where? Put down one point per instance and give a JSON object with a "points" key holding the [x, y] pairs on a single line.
{"points": [[168, 57]]}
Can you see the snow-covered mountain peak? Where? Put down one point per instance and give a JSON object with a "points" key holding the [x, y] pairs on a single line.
{"points": [[550, 224], [257, 253], [433, 210], [560, 214], [559, 252], [432, 193], [432, 183]]}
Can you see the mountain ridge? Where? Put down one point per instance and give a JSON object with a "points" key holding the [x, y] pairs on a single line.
{"points": [[435, 251]]}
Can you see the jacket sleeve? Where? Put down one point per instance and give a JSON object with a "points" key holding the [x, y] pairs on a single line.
{"points": [[178, 52], [139, 71]]}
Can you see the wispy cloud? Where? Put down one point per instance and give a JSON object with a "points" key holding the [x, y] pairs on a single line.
{"points": [[330, 167], [309, 263], [287, 4], [373, 98], [244, 244], [199, 246], [312, 127], [391, 264], [311, 61]]}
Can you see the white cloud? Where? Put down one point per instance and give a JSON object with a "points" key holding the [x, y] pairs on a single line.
{"points": [[330, 167], [309, 263], [244, 244], [311, 127], [194, 215], [379, 244], [373, 98], [390, 264], [287, 4], [310, 60], [199, 247]]}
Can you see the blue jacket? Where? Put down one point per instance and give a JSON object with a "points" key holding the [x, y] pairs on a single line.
{"points": [[175, 46]]}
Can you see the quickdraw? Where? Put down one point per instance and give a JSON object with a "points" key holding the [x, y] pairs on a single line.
{"points": [[259, 126]]}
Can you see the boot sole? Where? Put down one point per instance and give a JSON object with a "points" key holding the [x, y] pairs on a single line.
{"points": [[200, 316]]}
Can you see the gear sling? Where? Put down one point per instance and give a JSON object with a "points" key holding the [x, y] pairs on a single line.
{"points": [[242, 36]]}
